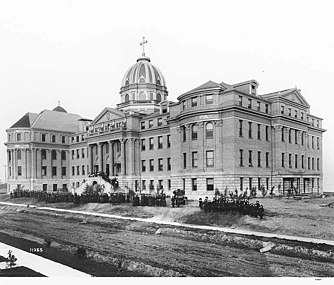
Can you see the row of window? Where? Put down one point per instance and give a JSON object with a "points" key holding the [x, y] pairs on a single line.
{"points": [[302, 138], [151, 184], [250, 131], [250, 158], [83, 170], [151, 165], [289, 113], [250, 181], [150, 123], [194, 101], [43, 171], [209, 184], [151, 143], [310, 161], [76, 153], [194, 131], [258, 105], [209, 159]]}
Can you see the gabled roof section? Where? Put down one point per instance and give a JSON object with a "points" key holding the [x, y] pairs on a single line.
{"points": [[207, 85], [108, 114], [292, 94], [26, 121], [57, 121]]}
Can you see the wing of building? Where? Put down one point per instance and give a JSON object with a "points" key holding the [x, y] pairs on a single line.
{"points": [[215, 136]]}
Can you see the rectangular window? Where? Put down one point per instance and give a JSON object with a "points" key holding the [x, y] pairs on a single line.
{"points": [[143, 183], [266, 108], [78, 170], [194, 159], [53, 138], [259, 158], [250, 182], [160, 142], [159, 122], [240, 128], [312, 163], [241, 157], [283, 130], [258, 131], [309, 163], [267, 183], [209, 158], [63, 171], [54, 170], [78, 138], [258, 107], [168, 141], [289, 112], [318, 123], [296, 137], [142, 125], [302, 161], [318, 163], [83, 170], [290, 131], [194, 184], [296, 113], [209, 184], [267, 159], [54, 187], [302, 137], [282, 110], [183, 105], [318, 143], [184, 132], [209, 99], [169, 184], [283, 162], [83, 152], [267, 133], [250, 130], [250, 159], [73, 171], [184, 160], [160, 165], [308, 141], [169, 166], [194, 102], [249, 103], [78, 154], [150, 123], [151, 143], [290, 160], [296, 160], [142, 144], [62, 139], [259, 183], [302, 115], [143, 165], [43, 137], [151, 165], [183, 183], [44, 171], [19, 170], [241, 183], [312, 141], [240, 100]]}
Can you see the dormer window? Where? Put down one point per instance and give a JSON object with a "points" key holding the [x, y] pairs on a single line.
{"points": [[194, 102], [158, 81], [127, 82], [209, 99], [18, 137], [253, 90]]}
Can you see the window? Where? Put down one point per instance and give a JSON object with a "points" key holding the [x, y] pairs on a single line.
{"points": [[312, 141], [209, 184], [44, 171], [267, 133], [209, 99], [160, 165], [9, 156], [183, 183], [194, 184], [312, 163], [184, 133], [283, 156], [296, 137], [143, 165], [318, 163], [249, 103], [308, 141], [19, 170], [168, 141], [209, 158], [151, 165], [54, 170], [63, 171], [78, 138], [18, 137], [83, 170], [194, 132], [318, 123], [289, 112], [318, 143], [209, 131], [169, 167], [72, 154], [143, 184], [194, 102], [160, 142], [194, 159], [240, 128], [313, 122], [43, 152], [159, 122], [142, 125], [151, 143], [302, 137], [259, 182], [290, 135], [296, 160], [282, 110], [241, 183], [258, 131], [290, 160], [184, 160], [258, 107], [241, 157], [73, 171], [250, 182], [150, 123], [53, 155], [309, 163], [302, 115], [283, 130], [78, 154], [183, 105], [296, 113], [43, 137], [250, 130], [78, 170], [302, 161], [259, 158], [240, 100], [142, 144], [267, 159], [169, 184], [63, 155], [53, 138], [54, 187], [250, 159], [19, 154], [83, 151], [266, 108]]}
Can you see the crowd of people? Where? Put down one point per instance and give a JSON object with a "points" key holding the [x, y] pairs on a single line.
{"points": [[158, 200]]}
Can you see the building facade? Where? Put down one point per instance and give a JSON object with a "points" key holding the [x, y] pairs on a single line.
{"points": [[215, 136]]}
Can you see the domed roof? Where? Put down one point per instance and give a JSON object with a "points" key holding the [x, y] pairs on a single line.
{"points": [[143, 72], [59, 109]]}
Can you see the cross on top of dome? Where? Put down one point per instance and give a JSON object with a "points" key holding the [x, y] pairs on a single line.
{"points": [[143, 44]]}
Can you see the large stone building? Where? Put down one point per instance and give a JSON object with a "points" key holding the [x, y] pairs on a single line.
{"points": [[214, 136]]}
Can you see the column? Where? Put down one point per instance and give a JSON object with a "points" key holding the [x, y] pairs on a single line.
{"points": [[137, 157], [201, 140], [28, 164], [33, 163], [14, 164], [123, 165], [48, 164], [91, 158], [131, 156], [188, 150], [100, 154], [23, 163], [112, 158]]}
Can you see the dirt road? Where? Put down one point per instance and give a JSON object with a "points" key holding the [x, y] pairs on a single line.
{"points": [[134, 246]]}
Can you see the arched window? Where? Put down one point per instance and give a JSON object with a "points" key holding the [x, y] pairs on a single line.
{"points": [[126, 97], [142, 96], [209, 131], [53, 155], [127, 82], [43, 154], [142, 80], [158, 81], [158, 97], [194, 132], [19, 154]]}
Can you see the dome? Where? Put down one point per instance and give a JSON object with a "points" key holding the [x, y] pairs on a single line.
{"points": [[143, 72], [59, 109]]}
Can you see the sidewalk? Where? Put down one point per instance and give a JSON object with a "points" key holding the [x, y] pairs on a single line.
{"points": [[212, 228]]}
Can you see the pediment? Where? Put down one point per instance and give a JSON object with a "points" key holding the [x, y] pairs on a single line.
{"points": [[296, 97], [107, 115]]}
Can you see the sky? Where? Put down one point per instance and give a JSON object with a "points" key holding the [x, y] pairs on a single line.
{"points": [[78, 51]]}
